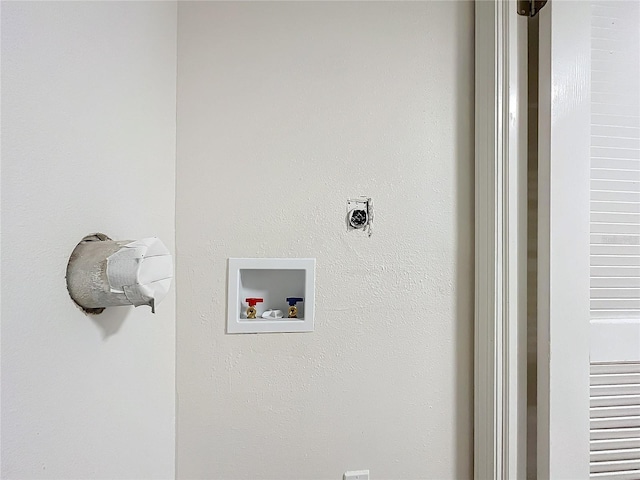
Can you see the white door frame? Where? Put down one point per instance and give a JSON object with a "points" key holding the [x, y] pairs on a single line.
{"points": [[500, 255], [500, 241]]}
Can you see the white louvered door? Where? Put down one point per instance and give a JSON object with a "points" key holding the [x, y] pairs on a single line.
{"points": [[589, 213], [615, 240]]}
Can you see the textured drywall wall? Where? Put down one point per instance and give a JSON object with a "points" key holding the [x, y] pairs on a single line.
{"points": [[284, 111], [88, 144]]}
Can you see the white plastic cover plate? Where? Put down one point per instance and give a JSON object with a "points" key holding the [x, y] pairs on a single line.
{"points": [[356, 475], [273, 280]]}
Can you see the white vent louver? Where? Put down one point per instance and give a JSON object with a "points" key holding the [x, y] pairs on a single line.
{"points": [[615, 160], [615, 241], [615, 420]]}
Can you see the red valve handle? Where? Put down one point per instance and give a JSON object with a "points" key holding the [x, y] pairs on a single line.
{"points": [[252, 301]]}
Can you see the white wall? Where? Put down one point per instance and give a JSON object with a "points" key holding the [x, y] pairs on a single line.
{"points": [[88, 144], [284, 111]]}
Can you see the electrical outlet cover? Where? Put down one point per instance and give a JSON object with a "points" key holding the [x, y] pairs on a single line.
{"points": [[356, 475]]}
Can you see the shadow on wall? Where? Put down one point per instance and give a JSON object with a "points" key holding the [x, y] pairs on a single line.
{"points": [[110, 321]]}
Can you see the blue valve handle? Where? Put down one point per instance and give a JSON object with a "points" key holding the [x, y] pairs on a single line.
{"points": [[293, 300]]}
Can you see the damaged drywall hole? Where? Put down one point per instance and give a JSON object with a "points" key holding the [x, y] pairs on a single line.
{"points": [[102, 272]]}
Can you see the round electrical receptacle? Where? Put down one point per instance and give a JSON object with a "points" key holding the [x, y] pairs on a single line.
{"points": [[358, 218]]}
